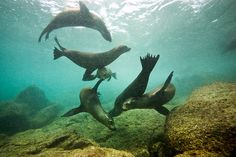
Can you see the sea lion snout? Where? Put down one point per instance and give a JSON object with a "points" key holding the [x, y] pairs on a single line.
{"points": [[101, 27], [106, 34], [124, 48], [109, 122]]}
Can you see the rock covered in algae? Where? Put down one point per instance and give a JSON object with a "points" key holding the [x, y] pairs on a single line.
{"points": [[91, 151], [199, 153], [60, 142], [206, 122], [139, 132]]}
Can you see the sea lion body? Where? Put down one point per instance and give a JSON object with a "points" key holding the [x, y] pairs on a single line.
{"points": [[138, 86], [88, 60], [90, 103], [152, 100], [79, 17]]}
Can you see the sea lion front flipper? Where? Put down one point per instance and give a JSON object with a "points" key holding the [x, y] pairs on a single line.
{"points": [[83, 9], [97, 84], [88, 75], [73, 111], [162, 110]]}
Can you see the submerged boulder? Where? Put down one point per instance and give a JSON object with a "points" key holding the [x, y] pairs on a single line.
{"points": [[50, 142], [206, 124], [32, 96], [31, 109], [13, 117], [140, 132]]}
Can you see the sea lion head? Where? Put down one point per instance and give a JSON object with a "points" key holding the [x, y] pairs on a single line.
{"points": [[123, 48], [99, 25], [108, 122], [90, 101]]}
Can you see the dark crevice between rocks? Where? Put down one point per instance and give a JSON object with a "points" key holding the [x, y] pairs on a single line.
{"points": [[57, 141], [159, 147], [78, 144]]}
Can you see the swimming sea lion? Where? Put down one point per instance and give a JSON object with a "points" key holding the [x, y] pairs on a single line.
{"points": [[90, 61], [153, 99], [90, 103], [105, 73], [80, 17], [138, 86]]}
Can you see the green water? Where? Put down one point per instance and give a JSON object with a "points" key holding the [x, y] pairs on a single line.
{"points": [[191, 36]]}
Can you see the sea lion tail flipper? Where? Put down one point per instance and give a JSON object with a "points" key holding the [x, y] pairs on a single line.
{"points": [[73, 111], [57, 53], [148, 62], [162, 110]]}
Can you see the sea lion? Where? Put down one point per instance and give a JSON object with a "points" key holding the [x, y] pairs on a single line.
{"points": [[90, 61], [80, 17], [153, 99], [90, 103], [105, 73], [138, 86]]}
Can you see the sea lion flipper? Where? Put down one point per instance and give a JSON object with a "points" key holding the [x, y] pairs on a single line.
{"points": [[97, 84], [167, 82], [148, 62], [56, 40], [84, 10], [88, 75], [162, 110], [73, 111], [57, 53]]}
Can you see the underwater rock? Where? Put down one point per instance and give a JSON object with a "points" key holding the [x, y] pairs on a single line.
{"points": [[31, 109], [13, 118], [44, 116], [36, 141], [140, 132], [33, 96], [206, 122], [91, 151], [200, 153], [59, 142]]}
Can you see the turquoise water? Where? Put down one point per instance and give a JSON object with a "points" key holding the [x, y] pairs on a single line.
{"points": [[191, 36]]}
